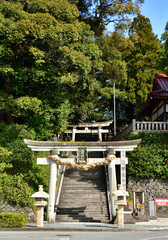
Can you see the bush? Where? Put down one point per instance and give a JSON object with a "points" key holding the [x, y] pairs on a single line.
{"points": [[10, 220], [15, 190], [19, 173], [147, 160]]}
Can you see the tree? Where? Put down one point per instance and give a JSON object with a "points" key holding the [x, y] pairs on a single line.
{"points": [[162, 64], [99, 13], [142, 60], [114, 47], [48, 64]]}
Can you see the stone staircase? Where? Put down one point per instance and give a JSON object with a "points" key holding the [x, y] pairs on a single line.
{"points": [[83, 196]]}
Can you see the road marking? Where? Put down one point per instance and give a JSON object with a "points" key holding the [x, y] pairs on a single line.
{"points": [[57, 237], [154, 238], [62, 237]]}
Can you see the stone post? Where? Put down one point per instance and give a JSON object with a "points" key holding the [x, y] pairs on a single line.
{"points": [[133, 125], [120, 216], [73, 133], [100, 133], [52, 188], [112, 182], [40, 213]]}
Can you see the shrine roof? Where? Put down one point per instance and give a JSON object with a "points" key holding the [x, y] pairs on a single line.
{"points": [[159, 92], [160, 85]]}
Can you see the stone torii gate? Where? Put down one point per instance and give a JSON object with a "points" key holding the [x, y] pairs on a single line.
{"points": [[93, 128], [110, 149]]}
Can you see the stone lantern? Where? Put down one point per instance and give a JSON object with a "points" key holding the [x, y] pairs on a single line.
{"points": [[121, 202], [40, 203]]}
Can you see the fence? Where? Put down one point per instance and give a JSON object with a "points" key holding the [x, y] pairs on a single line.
{"points": [[138, 126]]}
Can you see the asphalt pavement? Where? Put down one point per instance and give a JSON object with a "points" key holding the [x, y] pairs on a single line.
{"points": [[52, 235]]}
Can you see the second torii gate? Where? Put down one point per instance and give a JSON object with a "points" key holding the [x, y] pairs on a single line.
{"points": [[108, 148]]}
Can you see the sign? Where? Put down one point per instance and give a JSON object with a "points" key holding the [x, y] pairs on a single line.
{"points": [[152, 208], [161, 202], [82, 155]]}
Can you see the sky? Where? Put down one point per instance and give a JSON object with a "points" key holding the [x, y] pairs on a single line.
{"points": [[157, 12]]}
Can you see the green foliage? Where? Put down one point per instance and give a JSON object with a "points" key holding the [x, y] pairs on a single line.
{"points": [[162, 64], [100, 13], [115, 47], [12, 132], [142, 60], [15, 190], [146, 161], [48, 62], [11, 220], [19, 173]]}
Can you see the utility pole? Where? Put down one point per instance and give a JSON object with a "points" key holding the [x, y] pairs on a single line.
{"points": [[114, 108]]}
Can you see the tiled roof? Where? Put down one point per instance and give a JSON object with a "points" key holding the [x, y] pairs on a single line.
{"points": [[160, 85], [160, 90]]}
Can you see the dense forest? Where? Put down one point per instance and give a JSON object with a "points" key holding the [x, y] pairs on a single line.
{"points": [[55, 59]]}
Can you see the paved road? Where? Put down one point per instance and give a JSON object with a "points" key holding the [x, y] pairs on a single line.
{"points": [[148, 235]]}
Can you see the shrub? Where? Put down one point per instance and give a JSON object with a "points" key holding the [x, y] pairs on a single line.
{"points": [[19, 173], [146, 161], [15, 190], [10, 220]]}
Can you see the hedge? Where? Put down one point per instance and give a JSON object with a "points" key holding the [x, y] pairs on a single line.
{"points": [[11, 220], [149, 159]]}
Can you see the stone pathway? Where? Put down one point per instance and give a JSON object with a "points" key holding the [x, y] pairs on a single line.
{"points": [[152, 225], [159, 223]]}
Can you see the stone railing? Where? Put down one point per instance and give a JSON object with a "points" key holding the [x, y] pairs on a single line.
{"points": [[140, 126]]}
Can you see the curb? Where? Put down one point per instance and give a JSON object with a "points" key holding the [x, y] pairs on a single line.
{"points": [[43, 229]]}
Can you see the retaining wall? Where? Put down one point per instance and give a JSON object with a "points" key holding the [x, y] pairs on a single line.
{"points": [[6, 207], [152, 188]]}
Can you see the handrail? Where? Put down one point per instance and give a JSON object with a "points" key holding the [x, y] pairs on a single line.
{"points": [[108, 192], [59, 189]]}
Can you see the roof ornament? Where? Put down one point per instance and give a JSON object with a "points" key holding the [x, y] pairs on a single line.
{"points": [[160, 75]]}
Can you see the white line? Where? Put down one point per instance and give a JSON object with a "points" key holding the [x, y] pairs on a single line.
{"points": [[154, 238]]}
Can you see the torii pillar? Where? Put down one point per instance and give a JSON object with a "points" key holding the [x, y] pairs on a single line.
{"points": [[51, 215]]}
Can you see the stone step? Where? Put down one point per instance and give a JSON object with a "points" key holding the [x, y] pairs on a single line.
{"points": [[77, 219], [82, 207], [94, 210], [81, 219], [86, 182], [83, 197], [83, 191], [72, 204], [87, 176], [91, 188], [83, 200], [98, 217], [86, 195], [84, 187], [91, 173], [88, 214]]}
